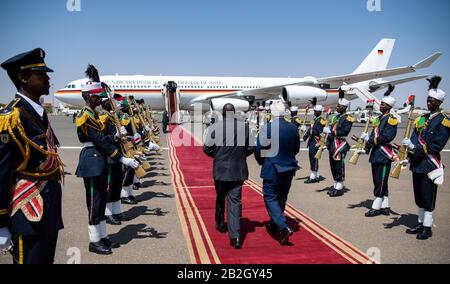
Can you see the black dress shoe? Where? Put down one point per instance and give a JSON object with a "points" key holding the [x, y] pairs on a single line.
{"points": [[373, 213], [128, 200], [99, 248], [236, 243], [336, 193], [425, 234], [272, 228], [285, 234], [110, 244], [122, 217], [416, 230], [330, 190], [112, 220], [222, 228], [310, 181], [386, 211]]}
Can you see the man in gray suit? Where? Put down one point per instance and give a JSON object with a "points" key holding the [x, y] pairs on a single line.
{"points": [[229, 144]]}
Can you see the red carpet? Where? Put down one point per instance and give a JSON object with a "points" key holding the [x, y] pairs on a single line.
{"points": [[194, 186]]}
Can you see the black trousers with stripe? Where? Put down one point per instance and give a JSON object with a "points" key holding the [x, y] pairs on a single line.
{"points": [[313, 161], [38, 249], [115, 180], [337, 168], [129, 176], [96, 196], [425, 192], [380, 176]]}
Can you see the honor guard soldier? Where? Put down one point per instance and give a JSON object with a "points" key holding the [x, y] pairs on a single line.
{"points": [[294, 117], [381, 154], [30, 168], [430, 136], [337, 145], [313, 134], [92, 166], [113, 213]]}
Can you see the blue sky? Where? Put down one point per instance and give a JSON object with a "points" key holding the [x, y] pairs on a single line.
{"points": [[224, 37]]}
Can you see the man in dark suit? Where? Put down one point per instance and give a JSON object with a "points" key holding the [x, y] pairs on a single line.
{"points": [[277, 145], [30, 180], [228, 143]]}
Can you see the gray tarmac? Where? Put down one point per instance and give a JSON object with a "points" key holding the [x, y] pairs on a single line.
{"points": [[155, 235]]}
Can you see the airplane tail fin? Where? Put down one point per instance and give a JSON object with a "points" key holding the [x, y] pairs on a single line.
{"points": [[379, 58]]}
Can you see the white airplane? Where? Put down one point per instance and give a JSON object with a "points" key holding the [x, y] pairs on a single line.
{"points": [[214, 92], [66, 111]]}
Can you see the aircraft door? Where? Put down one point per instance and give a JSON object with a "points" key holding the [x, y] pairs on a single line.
{"points": [[172, 101]]}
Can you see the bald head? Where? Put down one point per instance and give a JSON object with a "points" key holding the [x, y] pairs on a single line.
{"points": [[228, 109]]}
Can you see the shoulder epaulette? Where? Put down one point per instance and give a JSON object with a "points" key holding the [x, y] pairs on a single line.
{"points": [[136, 120], [104, 117], [9, 116], [288, 119], [298, 120], [350, 118], [446, 121], [323, 121], [125, 120], [84, 115], [393, 120], [419, 123]]}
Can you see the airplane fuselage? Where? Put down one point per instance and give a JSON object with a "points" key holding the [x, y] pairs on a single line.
{"points": [[150, 88]]}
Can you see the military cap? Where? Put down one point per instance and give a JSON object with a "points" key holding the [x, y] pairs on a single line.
{"points": [[31, 60]]}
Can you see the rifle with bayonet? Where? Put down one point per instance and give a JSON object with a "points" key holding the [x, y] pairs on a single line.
{"points": [[323, 137], [360, 143], [403, 150]]}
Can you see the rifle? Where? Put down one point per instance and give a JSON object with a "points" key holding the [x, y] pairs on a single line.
{"points": [[360, 144], [125, 146], [139, 146], [302, 132], [323, 137], [403, 150]]}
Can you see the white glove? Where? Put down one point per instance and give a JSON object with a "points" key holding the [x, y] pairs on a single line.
{"points": [[132, 163], [404, 163], [365, 136], [148, 129], [407, 142], [123, 131], [5, 238], [326, 130], [153, 146], [361, 152], [303, 128]]}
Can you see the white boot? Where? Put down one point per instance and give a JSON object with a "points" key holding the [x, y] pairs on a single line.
{"points": [[103, 229], [94, 234], [377, 203], [124, 193], [339, 186], [385, 202], [136, 180], [116, 208], [108, 210], [421, 215], [428, 219]]}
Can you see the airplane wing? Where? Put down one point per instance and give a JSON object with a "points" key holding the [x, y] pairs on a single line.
{"points": [[384, 84], [273, 92], [338, 81]]}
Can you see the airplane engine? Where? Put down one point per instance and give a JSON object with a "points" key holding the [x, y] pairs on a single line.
{"points": [[299, 95], [239, 105]]}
